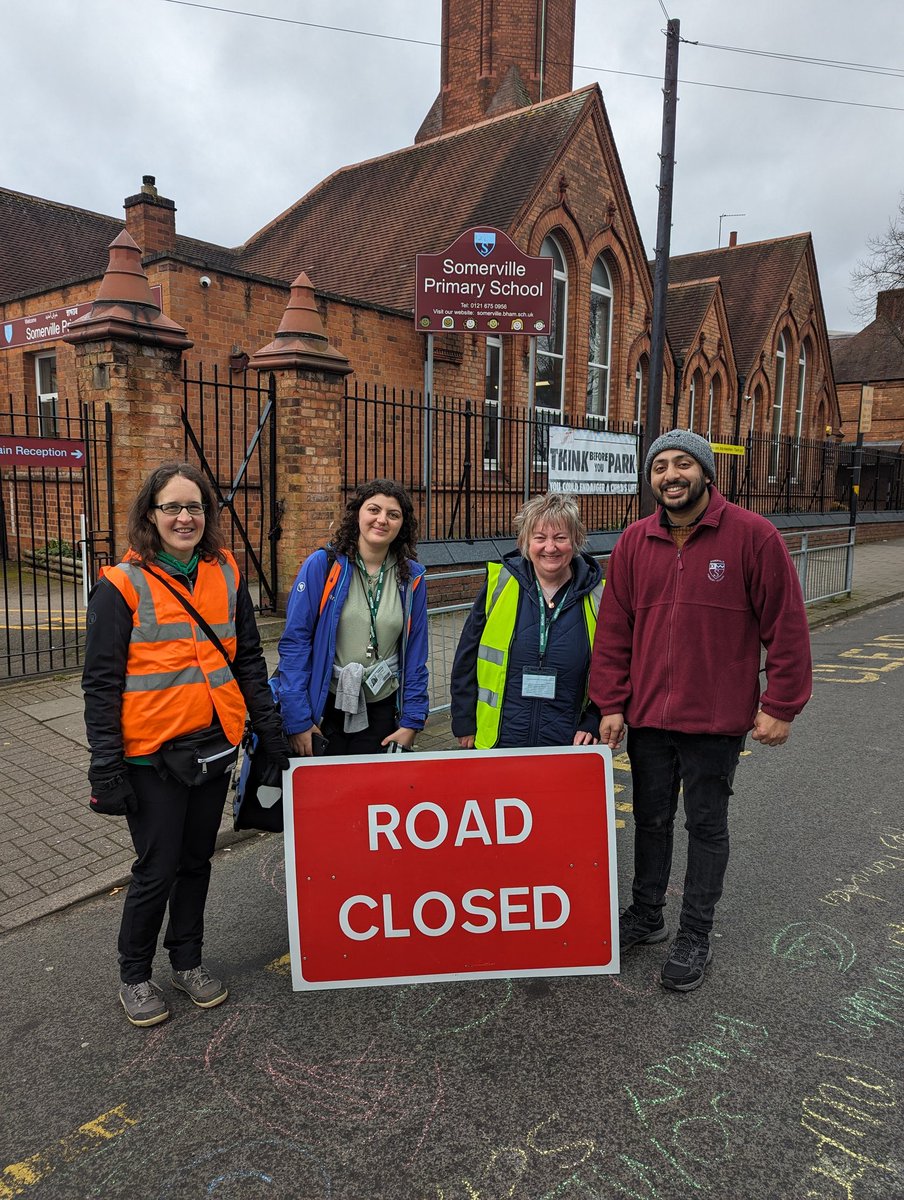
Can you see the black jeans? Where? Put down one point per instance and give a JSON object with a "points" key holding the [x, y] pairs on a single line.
{"points": [[174, 834], [381, 722], [704, 765]]}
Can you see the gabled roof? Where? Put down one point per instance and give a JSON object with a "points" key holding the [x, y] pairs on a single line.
{"points": [[875, 353], [756, 278], [46, 245], [357, 233], [686, 308]]}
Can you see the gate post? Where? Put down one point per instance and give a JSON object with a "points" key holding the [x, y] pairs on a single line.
{"points": [[129, 355], [309, 429]]}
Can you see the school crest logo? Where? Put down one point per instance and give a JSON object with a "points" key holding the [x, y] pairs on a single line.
{"points": [[8, 332], [716, 570], [484, 243]]}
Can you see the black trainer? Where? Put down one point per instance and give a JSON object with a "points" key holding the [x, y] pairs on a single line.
{"points": [[635, 929], [686, 965]]}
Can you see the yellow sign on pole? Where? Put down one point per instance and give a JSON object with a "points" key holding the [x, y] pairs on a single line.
{"points": [[727, 448]]}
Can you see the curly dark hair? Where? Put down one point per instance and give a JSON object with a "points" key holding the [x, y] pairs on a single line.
{"points": [[143, 536], [404, 545]]}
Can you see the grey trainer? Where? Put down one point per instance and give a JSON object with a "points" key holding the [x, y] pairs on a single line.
{"points": [[203, 988], [143, 1002]]}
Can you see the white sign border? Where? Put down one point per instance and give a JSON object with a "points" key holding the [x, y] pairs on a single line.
{"points": [[300, 984]]}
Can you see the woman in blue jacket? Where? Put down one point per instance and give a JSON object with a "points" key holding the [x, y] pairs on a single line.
{"points": [[353, 657], [520, 672]]}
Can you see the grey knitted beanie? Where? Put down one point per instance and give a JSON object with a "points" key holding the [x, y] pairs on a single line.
{"points": [[688, 441]]}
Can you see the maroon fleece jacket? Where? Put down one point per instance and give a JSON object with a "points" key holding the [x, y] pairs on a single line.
{"points": [[679, 637]]}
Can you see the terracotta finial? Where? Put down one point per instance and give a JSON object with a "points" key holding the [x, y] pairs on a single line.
{"points": [[124, 307], [301, 339]]}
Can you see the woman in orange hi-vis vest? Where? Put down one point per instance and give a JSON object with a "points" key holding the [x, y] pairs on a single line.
{"points": [[172, 661]]}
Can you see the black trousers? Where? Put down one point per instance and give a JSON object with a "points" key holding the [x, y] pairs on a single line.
{"points": [[701, 765], [381, 718], [174, 834]]}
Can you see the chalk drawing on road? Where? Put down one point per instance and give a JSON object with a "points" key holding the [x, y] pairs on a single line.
{"points": [[806, 944], [434, 1010]]}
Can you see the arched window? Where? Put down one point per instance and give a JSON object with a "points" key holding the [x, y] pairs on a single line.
{"points": [[640, 389], [799, 406], [492, 407], [714, 406], [695, 397], [550, 383], [778, 403], [600, 344]]}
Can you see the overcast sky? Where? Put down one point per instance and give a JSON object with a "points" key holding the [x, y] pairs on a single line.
{"points": [[238, 116]]}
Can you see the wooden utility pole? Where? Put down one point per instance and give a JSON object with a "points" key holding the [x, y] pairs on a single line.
{"points": [[663, 246]]}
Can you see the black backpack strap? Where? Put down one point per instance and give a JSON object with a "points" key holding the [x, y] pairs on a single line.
{"points": [[189, 608]]}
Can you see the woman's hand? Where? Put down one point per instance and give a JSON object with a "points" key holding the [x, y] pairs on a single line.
{"points": [[467, 742], [404, 737], [302, 743], [583, 738]]}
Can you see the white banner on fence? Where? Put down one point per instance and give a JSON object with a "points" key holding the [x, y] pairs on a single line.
{"points": [[584, 461]]}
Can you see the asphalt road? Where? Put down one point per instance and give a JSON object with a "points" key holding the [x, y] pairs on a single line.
{"points": [[779, 1079]]}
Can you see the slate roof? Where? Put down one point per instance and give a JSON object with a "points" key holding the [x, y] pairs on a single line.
{"points": [[357, 233], [875, 353], [755, 278], [686, 307], [47, 245]]}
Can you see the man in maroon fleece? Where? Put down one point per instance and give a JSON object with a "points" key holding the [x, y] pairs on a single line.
{"points": [[692, 594]]}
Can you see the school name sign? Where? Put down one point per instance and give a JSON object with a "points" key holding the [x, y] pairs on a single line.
{"points": [[483, 283], [584, 461], [405, 869]]}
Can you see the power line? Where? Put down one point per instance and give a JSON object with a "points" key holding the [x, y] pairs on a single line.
{"points": [[216, 8], [835, 63]]}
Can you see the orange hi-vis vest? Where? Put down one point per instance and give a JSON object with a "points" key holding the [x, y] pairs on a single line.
{"points": [[175, 676]]}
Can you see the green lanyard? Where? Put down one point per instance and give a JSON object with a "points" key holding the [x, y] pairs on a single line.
{"points": [[373, 602], [544, 627]]}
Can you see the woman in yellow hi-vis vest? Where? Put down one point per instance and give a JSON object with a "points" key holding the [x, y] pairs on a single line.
{"points": [[520, 672]]}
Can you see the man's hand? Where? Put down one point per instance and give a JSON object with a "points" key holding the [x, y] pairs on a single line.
{"points": [[770, 730], [467, 742], [612, 730]]}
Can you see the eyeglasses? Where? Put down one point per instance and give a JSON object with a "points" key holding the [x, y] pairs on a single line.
{"points": [[172, 510]]}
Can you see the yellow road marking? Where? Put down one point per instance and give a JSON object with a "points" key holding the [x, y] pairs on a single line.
{"points": [[17, 1177]]}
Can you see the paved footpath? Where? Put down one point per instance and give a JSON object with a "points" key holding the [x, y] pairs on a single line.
{"points": [[54, 851]]}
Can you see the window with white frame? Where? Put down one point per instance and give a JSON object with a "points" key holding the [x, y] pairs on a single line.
{"points": [[712, 408], [640, 387], [550, 381], [799, 406], [695, 397], [778, 404], [600, 345], [492, 405], [46, 390]]}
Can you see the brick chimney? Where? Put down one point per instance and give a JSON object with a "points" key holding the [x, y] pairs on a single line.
{"points": [[500, 57], [733, 238], [151, 218], [890, 305]]}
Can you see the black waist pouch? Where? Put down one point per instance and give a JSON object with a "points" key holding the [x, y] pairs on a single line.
{"points": [[197, 757]]}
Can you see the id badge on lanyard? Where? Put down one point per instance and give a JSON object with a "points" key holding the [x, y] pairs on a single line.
{"points": [[539, 684]]}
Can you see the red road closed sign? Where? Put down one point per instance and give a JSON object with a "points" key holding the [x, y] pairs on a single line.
{"points": [[423, 867]]}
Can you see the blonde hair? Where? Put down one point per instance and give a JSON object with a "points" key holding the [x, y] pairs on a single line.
{"points": [[555, 508]]}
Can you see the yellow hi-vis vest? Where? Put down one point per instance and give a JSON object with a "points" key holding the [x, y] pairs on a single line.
{"points": [[493, 652]]}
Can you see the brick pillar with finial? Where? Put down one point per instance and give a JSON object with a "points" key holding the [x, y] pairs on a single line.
{"points": [[310, 386]]}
